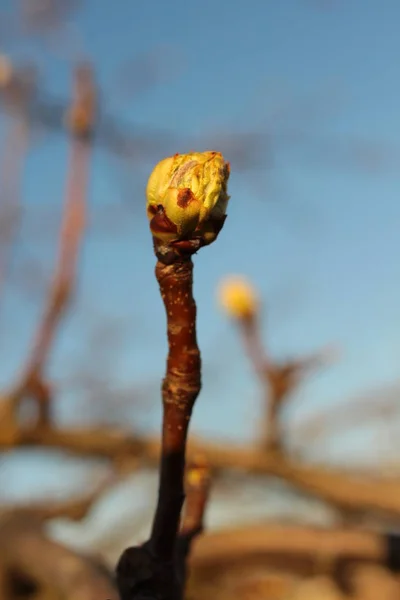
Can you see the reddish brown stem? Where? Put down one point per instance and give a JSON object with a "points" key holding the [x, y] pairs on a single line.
{"points": [[70, 238], [180, 389], [272, 380], [197, 491], [157, 569], [278, 380], [80, 119], [251, 335], [11, 174], [31, 381]]}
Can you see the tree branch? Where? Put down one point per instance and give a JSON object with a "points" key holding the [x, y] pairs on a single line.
{"points": [[12, 165], [266, 541], [32, 382], [278, 380], [186, 204], [345, 491], [30, 562]]}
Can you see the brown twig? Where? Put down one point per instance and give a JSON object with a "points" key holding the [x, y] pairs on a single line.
{"points": [[31, 565], [15, 149], [299, 551], [270, 540], [157, 569], [279, 380], [366, 494], [197, 492], [198, 480], [180, 389], [32, 382]]}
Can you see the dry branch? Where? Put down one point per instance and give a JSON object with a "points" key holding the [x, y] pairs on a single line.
{"points": [[266, 541], [30, 563], [180, 389], [278, 380], [345, 491], [16, 144], [198, 480], [337, 556], [32, 381], [157, 569], [186, 205]]}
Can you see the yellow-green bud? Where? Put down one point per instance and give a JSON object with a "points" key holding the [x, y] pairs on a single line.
{"points": [[186, 194], [238, 298]]}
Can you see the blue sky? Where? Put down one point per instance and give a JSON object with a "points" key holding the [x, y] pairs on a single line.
{"points": [[314, 225]]}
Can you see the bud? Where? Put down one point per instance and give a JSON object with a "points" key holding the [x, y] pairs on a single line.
{"points": [[187, 197], [198, 472], [238, 298]]}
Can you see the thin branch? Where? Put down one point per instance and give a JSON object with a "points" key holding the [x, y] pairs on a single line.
{"points": [[301, 551], [197, 490], [279, 380], [32, 381], [73, 224], [29, 560], [157, 569], [180, 389], [266, 541], [16, 145], [363, 494], [198, 481]]}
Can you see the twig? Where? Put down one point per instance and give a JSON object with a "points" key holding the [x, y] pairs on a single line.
{"points": [[186, 202], [344, 490], [267, 541], [32, 382], [278, 380], [179, 392], [240, 300], [11, 174], [180, 389], [197, 492], [198, 480], [31, 564]]}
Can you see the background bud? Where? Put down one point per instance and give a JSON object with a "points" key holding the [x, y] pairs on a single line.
{"points": [[238, 297]]}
